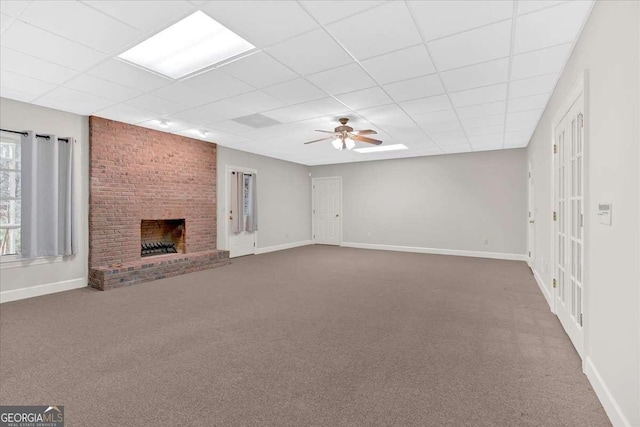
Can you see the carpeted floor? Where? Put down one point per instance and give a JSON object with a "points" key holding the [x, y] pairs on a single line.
{"points": [[314, 336]]}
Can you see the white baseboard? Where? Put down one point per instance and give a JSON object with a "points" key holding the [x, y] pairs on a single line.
{"points": [[611, 407], [35, 291], [268, 249], [543, 288], [421, 250]]}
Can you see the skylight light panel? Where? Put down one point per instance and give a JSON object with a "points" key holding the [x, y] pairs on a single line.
{"points": [[381, 148], [196, 42]]}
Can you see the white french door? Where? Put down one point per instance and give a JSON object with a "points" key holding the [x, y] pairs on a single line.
{"points": [[569, 222], [244, 242], [327, 210]]}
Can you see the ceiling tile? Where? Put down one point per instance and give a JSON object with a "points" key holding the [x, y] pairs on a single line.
{"points": [[545, 61], [523, 120], [297, 54], [14, 7], [128, 75], [262, 23], [441, 18], [5, 21], [41, 44], [295, 91], [344, 79], [18, 95], [78, 22], [238, 106], [528, 6], [380, 30], [258, 70], [308, 110], [327, 11], [25, 84], [172, 125], [426, 105], [485, 130], [231, 127], [483, 122], [102, 88], [482, 110], [532, 86], [34, 67], [365, 98], [483, 95], [140, 15], [532, 30], [182, 94], [73, 101], [439, 122], [420, 87], [472, 47], [387, 115], [534, 102], [126, 113], [486, 140], [155, 104], [485, 74], [400, 65], [217, 85], [455, 149]]}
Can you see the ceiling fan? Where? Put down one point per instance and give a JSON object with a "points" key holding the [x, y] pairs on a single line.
{"points": [[344, 137]]}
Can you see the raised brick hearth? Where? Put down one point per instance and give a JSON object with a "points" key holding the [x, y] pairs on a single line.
{"points": [[168, 181]]}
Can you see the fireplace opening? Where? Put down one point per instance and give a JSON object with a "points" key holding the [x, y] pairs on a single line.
{"points": [[162, 236]]}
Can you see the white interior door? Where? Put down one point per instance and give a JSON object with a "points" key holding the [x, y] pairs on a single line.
{"points": [[569, 225], [532, 221], [244, 242], [327, 210]]}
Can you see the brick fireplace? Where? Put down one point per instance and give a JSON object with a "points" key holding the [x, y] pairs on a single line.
{"points": [[149, 187]]}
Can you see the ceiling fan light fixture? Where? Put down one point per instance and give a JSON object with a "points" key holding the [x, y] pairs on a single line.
{"points": [[350, 143], [337, 144]]}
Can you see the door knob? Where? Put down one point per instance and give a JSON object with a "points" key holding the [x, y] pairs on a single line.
{"points": [[531, 221], [337, 215], [230, 218]]}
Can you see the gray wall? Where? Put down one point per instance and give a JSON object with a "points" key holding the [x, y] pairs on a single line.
{"points": [[284, 198], [608, 50], [442, 202], [60, 273]]}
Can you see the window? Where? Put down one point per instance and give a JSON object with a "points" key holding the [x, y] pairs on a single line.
{"points": [[10, 242]]}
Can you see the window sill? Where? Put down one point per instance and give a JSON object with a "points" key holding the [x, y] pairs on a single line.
{"points": [[14, 261]]}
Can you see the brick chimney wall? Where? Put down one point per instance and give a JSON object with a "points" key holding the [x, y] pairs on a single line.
{"points": [[138, 173]]}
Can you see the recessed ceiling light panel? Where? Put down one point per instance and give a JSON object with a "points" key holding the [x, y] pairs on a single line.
{"points": [[380, 148], [194, 43]]}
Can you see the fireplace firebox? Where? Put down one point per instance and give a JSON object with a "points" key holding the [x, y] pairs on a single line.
{"points": [[162, 236]]}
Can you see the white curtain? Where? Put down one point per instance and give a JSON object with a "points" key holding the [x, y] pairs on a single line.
{"points": [[244, 206], [48, 219]]}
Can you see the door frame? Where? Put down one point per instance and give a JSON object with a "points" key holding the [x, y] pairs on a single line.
{"points": [[227, 203], [313, 207], [580, 88]]}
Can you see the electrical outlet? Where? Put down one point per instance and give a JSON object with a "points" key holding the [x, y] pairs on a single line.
{"points": [[369, 234], [486, 242]]}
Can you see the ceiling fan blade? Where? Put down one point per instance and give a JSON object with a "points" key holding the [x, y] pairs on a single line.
{"points": [[318, 140], [367, 140], [365, 132], [325, 131]]}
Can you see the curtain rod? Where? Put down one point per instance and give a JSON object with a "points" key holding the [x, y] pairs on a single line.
{"points": [[37, 136]]}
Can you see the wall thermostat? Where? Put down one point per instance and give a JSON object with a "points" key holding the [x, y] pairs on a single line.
{"points": [[604, 212]]}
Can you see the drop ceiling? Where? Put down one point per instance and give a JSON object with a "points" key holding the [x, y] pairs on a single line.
{"points": [[437, 76]]}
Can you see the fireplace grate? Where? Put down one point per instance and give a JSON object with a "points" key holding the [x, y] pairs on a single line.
{"points": [[157, 248]]}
